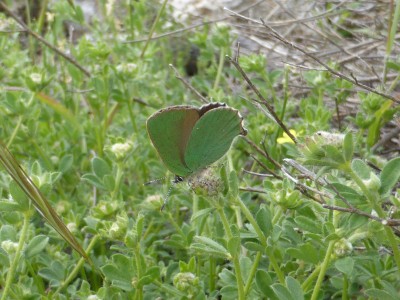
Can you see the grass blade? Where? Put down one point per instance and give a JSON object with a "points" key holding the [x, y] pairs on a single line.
{"points": [[39, 201]]}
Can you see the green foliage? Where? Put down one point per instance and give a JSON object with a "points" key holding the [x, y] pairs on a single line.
{"points": [[312, 234]]}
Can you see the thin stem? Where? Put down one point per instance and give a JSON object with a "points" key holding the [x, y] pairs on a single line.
{"points": [[372, 199], [392, 32], [263, 240], [153, 27], [42, 15], [322, 272], [211, 279], [307, 283], [219, 71], [253, 271], [15, 131], [235, 257], [132, 116], [345, 292], [175, 224], [118, 178], [139, 269], [77, 268], [188, 85], [14, 264], [277, 214], [29, 24], [263, 100]]}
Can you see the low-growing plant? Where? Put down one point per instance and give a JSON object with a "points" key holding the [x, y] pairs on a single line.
{"points": [[295, 210]]}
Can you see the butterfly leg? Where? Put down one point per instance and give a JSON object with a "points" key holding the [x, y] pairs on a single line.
{"points": [[177, 179]]}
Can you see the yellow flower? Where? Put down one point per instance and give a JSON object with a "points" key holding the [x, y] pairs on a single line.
{"points": [[285, 138]]}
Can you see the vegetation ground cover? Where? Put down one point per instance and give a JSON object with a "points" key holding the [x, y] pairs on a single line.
{"points": [[307, 206]]}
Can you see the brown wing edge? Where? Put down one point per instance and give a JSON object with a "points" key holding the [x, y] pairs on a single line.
{"points": [[207, 107]]}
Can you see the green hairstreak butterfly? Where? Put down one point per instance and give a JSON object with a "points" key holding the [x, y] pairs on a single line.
{"points": [[188, 139]]}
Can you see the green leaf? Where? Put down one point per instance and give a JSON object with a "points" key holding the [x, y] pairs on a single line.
{"points": [[373, 130], [120, 272], [393, 65], [345, 265], [144, 281], [353, 221], [282, 292], [308, 224], [348, 193], [306, 252], [253, 246], [389, 176], [140, 225], [229, 292], [263, 218], [294, 288], [19, 196], [55, 273], [264, 282], [348, 146], [10, 206], [109, 182], [201, 213], [379, 294], [100, 167], [154, 272], [234, 246], [207, 246], [36, 245], [233, 184], [361, 169], [93, 180], [66, 163], [245, 267]]}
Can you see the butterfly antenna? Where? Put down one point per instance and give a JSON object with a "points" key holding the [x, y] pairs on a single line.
{"points": [[154, 181], [177, 179]]}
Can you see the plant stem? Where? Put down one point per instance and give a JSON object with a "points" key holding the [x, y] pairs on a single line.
{"points": [[306, 284], [78, 267], [139, 270], [277, 214], [235, 257], [324, 267], [392, 32], [263, 240], [118, 178], [15, 131], [42, 15], [14, 264], [253, 271], [153, 27], [212, 274], [219, 71], [131, 116], [345, 295], [372, 199]]}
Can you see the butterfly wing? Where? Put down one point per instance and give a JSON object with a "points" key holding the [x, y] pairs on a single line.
{"points": [[169, 130], [212, 137]]}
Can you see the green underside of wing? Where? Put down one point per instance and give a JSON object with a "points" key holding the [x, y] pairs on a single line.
{"points": [[169, 131], [212, 137]]}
